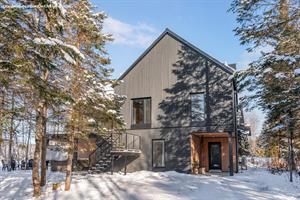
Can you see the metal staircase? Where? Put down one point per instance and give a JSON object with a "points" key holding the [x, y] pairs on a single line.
{"points": [[112, 147]]}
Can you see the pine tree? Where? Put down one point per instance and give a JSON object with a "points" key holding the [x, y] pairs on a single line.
{"points": [[33, 51], [271, 80], [93, 99], [59, 66]]}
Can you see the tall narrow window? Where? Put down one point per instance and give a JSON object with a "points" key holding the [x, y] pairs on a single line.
{"points": [[141, 112], [158, 153], [198, 107]]}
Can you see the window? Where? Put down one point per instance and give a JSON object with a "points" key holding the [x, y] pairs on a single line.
{"points": [[141, 112], [158, 153], [198, 107]]}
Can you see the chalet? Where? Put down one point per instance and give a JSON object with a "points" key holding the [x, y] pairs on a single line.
{"points": [[181, 102], [180, 113]]}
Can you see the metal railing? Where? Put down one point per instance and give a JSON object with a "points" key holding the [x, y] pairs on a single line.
{"points": [[115, 142], [129, 141]]}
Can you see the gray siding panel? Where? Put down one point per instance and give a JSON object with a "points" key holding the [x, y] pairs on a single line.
{"points": [[168, 73]]}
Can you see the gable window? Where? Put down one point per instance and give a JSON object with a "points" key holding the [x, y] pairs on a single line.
{"points": [[197, 107], [158, 153], [141, 113]]}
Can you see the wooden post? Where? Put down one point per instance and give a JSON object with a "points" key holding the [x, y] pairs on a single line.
{"points": [[230, 154]]}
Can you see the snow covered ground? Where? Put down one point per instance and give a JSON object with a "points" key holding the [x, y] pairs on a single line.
{"points": [[251, 184]]}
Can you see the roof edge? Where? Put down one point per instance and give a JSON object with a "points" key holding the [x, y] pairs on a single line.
{"points": [[227, 69]]}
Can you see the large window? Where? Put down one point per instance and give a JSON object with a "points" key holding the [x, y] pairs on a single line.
{"points": [[158, 153], [141, 112], [198, 107]]}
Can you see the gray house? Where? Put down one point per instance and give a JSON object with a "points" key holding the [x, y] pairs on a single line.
{"points": [[181, 103]]}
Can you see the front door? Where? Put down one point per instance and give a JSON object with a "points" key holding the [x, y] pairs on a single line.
{"points": [[214, 151]]}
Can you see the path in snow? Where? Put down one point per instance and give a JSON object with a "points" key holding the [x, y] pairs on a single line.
{"points": [[255, 184]]}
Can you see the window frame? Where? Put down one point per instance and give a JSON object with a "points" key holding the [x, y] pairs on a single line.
{"points": [[143, 125], [191, 104], [164, 153]]}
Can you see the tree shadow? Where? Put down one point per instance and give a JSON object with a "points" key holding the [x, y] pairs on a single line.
{"points": [[194, 73]]}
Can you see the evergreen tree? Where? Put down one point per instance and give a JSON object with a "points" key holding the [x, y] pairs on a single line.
{"points": [[271, 80], [94, 103]]}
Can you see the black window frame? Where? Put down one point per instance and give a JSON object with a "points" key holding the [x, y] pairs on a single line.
{"points": [[143, 125], [164, 154], [191, 104]]}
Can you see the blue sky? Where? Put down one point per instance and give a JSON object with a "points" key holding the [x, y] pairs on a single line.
{"points": [[204, 23], [135, 24]]}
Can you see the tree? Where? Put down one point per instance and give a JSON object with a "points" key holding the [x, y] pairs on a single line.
{"points": [[94, 103], [270, 80], [58, 65], [252, 119], [34, 53]]}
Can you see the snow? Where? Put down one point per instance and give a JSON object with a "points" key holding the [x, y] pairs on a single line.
{"points": [[75, 49], [58, 4], [68, 58], [255, 183], [280, 75], [44, 41], [113, 112], [268, 70], [91, 120], [54, 41], [297, 72], [278, 127]]}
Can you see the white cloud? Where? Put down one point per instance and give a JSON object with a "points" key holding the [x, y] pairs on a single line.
{"points": [[138, 35], [247, 57]]}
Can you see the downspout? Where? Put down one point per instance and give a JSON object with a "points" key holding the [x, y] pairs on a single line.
{"points": [[235, 103]]}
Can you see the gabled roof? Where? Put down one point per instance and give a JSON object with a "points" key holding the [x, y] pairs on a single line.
{"points": [[180, 39]]}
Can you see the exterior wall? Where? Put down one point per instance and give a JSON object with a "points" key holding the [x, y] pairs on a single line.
{"points": [[177, 150], [224, 152], [58, 165], [85, 148], [168, 74], [200, 151]]}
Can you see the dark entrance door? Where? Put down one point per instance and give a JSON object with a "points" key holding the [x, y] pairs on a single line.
{"points": [[214, 155]]}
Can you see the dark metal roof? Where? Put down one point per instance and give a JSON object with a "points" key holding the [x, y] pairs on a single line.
{"points": [[180, 39]]}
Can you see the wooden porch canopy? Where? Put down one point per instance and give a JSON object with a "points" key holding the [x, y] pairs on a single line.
{"points": [[200, 149]]}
